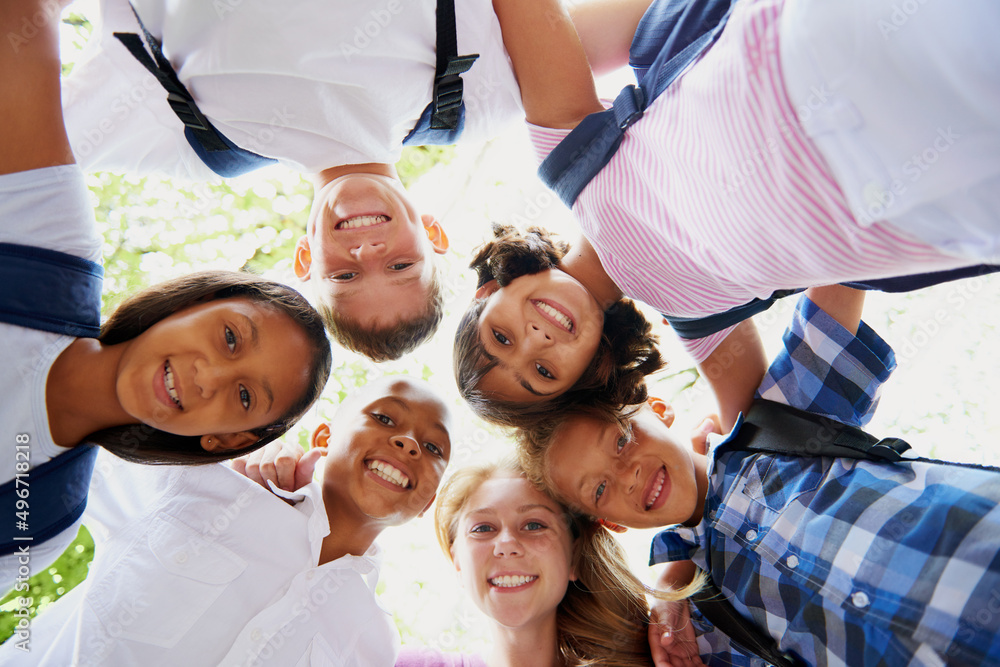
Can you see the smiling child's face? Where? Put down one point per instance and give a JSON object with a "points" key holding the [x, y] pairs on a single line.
{"points": [[543, 330], [513, 552], [367, 245], [645, 479], [388, 447], [220, 368]]}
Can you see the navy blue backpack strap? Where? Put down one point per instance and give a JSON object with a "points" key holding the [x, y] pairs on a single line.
{"points": [[220, 154], [443, 120], [59, 293], [50, 291], [689, 28], [55, 494]]}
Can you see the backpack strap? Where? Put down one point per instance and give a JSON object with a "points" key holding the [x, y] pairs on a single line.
{"points": [[775, 428], [717, 610], [54, 496], [683, 29], [220, 154], [50, 291], [443, 119]]}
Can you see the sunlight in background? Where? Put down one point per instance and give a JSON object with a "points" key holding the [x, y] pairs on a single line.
{"points": [[943, 398]]}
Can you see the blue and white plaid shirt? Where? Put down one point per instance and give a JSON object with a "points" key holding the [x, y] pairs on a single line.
{"points": [[847, 562]]}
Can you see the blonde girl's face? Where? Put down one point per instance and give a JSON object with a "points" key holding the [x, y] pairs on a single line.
{"points": [[513, 552], [543, 330]]}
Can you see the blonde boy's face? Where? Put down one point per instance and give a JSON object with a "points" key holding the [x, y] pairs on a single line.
{"points": [[369, 252], [388, 448], [645, 479]]}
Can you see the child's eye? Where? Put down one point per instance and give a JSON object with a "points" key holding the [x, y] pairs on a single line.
{"points": [[384, 419], [230, 340], [623, 440], [434, 449], [245, 398], [481, 528], [344, 277], [401, 266], [600, 492], [544, 372], [503, 340], [534, 525]]}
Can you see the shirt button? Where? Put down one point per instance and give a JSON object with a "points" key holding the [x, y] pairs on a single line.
{"points": [[310, 574], [751, 535], [792, 561], [180, 557], [255, 635], [860, 599]]}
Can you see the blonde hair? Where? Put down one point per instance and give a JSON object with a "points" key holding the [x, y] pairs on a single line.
{"points": [[603, 618]]}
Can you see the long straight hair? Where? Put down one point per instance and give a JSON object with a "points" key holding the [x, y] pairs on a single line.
{"points": [[141, 443]]}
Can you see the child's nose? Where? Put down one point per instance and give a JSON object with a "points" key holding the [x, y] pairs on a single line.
{"points": [[506, 544], [627, 473], [407, 444], [537, 334], [208, 377], [364, 251]]}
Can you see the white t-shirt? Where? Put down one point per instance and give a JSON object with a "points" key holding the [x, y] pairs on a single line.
{"points": [[201, 566], [310, 83], [48, 208]]}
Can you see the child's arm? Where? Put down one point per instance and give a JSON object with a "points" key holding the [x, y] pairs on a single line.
{"points": [[32, 133], [734, 371], [606, 29], [843, 304], [557, 87], [672, 639]]}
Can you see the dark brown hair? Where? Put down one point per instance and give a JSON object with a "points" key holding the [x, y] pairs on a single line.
{"points": [[144, 444], [393, 341], [615, 377]]}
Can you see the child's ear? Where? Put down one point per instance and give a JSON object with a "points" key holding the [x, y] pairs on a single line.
{"points": [[321, 436], [487, 289], [663, 410], [303, 258], [228, 441], [435, 232]]}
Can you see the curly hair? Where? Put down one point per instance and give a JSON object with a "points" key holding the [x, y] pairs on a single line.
{"points": [[393, 341], [141, 443], [615, 377], [603, 618]]}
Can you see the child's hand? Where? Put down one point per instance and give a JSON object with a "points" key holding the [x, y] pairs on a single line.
{"points": [[285, 464], [699, 436], [672, 640]]}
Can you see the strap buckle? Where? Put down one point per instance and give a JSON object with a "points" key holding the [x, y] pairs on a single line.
{"points": [[629, 106], [188, 112]]}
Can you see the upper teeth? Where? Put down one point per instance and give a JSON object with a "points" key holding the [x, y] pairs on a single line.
{"points": [[362, 221], [509, 581], [388, 473], [659, 487], [559, 317], [168, 380]]}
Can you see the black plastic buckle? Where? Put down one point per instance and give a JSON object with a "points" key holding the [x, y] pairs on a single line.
{"points": [[628, 106], [188, 112], [447, 101]]}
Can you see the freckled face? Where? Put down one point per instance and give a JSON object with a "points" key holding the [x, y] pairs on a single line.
{"points": [[513, 552], [388, 449], [645, 479], [224, 366], [543, 329]]}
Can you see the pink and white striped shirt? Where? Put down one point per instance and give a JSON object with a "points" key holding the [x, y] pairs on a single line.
{"points": [[717, 197]]}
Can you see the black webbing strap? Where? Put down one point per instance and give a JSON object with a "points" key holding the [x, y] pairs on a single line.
{"points": [[178, 97], [776, 428], [714, 606], [448, 87]]}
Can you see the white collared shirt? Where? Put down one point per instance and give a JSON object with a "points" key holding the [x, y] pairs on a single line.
{"points": [[200, 566]]}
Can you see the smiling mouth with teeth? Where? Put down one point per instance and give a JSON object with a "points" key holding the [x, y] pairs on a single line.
{"points": [[555, 314], [361, 221], [657, 489], [389, 473], [168, 381], [512, 581]]}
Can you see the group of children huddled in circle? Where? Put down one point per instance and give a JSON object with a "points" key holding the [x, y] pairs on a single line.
{"points": [[766, 150]]}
